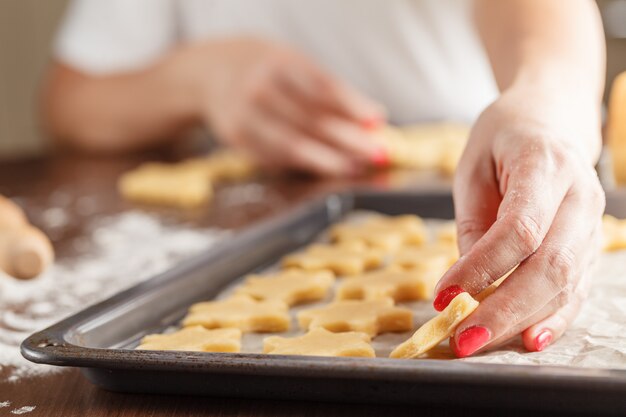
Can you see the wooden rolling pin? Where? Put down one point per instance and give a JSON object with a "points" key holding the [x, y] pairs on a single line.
{"points": [[25, 251]]}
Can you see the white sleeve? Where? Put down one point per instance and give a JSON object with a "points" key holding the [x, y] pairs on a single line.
{"points": [[106, 36]]}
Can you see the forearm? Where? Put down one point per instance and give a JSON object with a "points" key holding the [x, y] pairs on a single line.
{"points": [[117, 113], [550, 53]]}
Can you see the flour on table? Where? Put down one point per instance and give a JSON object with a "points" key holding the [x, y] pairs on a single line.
{"points": [[124, 250], [24, 410]]}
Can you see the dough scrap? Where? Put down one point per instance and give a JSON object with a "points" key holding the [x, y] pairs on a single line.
{"points": [[343, 259], [396, 284], [291, 286], [384, 232], [242, 312], [437, 329], [370, 317], [614, 233], [321, 342], [194, 339], [165, 184]]}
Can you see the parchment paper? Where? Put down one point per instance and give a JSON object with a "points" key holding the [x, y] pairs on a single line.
{"points": [[597, 338]]}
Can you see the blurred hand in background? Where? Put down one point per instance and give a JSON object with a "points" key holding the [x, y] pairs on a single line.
{"points": [[259, 96]]}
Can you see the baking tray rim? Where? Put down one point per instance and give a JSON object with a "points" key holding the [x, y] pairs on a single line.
{"points": [[49, 346]]}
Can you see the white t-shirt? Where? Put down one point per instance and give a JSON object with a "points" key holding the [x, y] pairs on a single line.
{"points": [[422, 59]]}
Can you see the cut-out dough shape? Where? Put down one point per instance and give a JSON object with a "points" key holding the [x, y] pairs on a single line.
{"points": [[321, 342], [242, 312], [194, 339], [436, 146], [343, 259], [614, 233], [370, 317], [222, 165], [165, 184], [385, 232], [437, 329], [389, 283], [434, 257], [446, 233], [291, 287], [184, 184]]}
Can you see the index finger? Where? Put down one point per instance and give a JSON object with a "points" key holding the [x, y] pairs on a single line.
{"points": [[531, 200], [320, 89]]}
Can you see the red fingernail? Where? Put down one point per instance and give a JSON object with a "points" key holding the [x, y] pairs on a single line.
{"points": [[380, 158], [470, 340], [542, 340], [371, 123], [445, 296]]}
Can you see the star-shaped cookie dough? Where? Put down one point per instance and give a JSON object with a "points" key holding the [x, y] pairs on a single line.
{"points": [[222, 165], [165, 184], [194, 339], [343, 259], [291, 286], [384, 232], [370, 317], [435, 257], [397, 284], [437, 329], [321, 342], [614, 233], [446, 233], [242, 312]]}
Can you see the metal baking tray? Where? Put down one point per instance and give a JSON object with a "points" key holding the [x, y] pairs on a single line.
{"points": [[100, 338]]}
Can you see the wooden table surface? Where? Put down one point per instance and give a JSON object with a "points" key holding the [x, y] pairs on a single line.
{"points": [[66, 393]]}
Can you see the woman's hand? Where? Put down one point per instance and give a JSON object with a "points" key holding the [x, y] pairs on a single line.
{"points": [[276, 104], [525, 193]]}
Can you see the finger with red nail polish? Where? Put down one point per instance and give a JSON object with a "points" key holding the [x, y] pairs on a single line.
{"points": [[542, 334], [371, 123], [470, 340], [381, 158], [445, 296]]}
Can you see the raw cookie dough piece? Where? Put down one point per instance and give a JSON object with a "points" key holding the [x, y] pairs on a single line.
{"points": [[321, 342], [384, 232], [433, 257], [437, 329], [425, 146], [446, 233], [430, 261], [343, 259], [165, 184], [370, 317], [616, 128], [291, 287], [411, 152], [223, 165], [390, 283], [242, 312], [614, 233], [194, 339]]}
